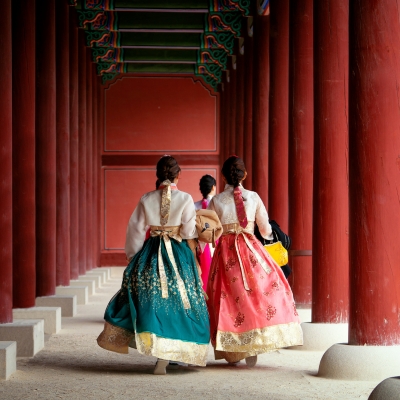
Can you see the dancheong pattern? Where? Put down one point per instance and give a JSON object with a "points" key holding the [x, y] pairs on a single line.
{"points": [[129, 36]]}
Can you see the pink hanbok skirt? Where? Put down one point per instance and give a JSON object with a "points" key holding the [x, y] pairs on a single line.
{"points": [[250, 302], [205, 263]]}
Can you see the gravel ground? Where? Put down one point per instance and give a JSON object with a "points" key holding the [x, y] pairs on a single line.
{"points": [[73, 367]]}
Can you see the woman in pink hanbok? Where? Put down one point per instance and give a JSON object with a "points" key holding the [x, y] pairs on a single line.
{"points": [[251, 305], [207, 189]]}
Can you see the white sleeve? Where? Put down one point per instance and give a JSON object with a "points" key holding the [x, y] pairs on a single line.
{"points": [[188, 225], [135, 231], [211, 205], [262, 220]]}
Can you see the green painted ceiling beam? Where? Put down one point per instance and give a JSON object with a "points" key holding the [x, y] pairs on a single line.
{"points": [[155, 20], [161, 3], [160, 39], [161, 68], [162, 36], [159, 55]]}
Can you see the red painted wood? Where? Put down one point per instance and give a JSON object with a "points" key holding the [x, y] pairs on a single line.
{"points": [[63, 145], [261, 107], [374, 178], [100, 184], [94, 166], [113, 259], [222, 135], [232, 111], [6, 166], [301, 129], [240, 106], [248, 111], [74, 145], [95, 157], [82, 151], [279, 115], [23, 152], [152, 159], [89, 160], [151, 115], [121, 195], [330, 277], [45, 149], [228, 120]]}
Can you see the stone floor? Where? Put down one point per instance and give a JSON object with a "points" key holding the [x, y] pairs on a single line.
{"points": [[72, 366]]}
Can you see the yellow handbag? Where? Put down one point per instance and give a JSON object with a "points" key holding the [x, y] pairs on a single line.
{"points": [[277, 252]]}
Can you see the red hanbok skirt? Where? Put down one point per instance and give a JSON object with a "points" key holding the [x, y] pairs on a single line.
{"points": [[250, 302]]}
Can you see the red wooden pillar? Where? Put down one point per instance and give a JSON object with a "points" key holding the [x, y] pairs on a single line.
{"points": [[239, 105], [261, 107], [23, 101], [63, 145], [74, 146], [89, 159], [6, 304], [45, 148], [301, 147], [279, 114], [82, 151], [374, 173], [232, 109], [94, 165], [222, 127], [100, 147], [330, 276], [228, 121], [248, 111]]}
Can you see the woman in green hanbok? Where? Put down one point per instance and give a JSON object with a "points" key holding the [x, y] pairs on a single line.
{"points": [[160, 308]]}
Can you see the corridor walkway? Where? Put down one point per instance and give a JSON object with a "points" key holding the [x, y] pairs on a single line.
{"points": [[73, 367]]}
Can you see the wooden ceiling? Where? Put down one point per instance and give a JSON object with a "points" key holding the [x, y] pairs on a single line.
{"points": [[165, 36]]}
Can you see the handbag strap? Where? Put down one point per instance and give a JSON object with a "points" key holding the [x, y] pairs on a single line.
{"points": [[266, 241]]}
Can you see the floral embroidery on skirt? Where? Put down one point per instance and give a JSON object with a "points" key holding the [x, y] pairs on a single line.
{"points": [[249, 322]]}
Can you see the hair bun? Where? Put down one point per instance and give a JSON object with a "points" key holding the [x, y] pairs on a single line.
{"points": [[167, 168]]}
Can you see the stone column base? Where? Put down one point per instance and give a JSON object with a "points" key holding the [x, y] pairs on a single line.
{"points": [[104, 269], [360, 363], [28, 333], [8, 359], [305, 314], [319, 337], [389, 389], [81, 293], [89, 283], [94, 278], [96, 272], [67, 304], [50, 315]]}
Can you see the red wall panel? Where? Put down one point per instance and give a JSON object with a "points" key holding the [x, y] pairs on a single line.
{"points": [[123, 188], [146, 117], [160, 114]]}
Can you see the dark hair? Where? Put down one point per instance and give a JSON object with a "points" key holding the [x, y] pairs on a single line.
{"points": [[206, 184], [167, 168], [234, 170], [158, 183]]}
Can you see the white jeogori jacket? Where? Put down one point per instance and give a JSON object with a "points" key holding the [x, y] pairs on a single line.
{"points": [[147, 212]]}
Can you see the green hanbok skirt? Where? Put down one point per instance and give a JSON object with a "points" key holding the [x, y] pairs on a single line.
{"points": [[160, 308]]}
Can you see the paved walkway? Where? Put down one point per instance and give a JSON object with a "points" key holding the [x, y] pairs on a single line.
{"points": [[73, 367]]}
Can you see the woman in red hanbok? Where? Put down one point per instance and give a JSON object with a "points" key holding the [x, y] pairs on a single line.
{"points": [[251, 305], [207, 188]]}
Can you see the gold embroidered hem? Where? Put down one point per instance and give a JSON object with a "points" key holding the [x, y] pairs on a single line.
{"points": [[261, 340], [115, 339], [150, 344]]}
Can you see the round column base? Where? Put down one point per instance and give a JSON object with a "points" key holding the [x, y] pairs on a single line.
{"points": [[319, 337], [360, 363], [389, 389]]}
